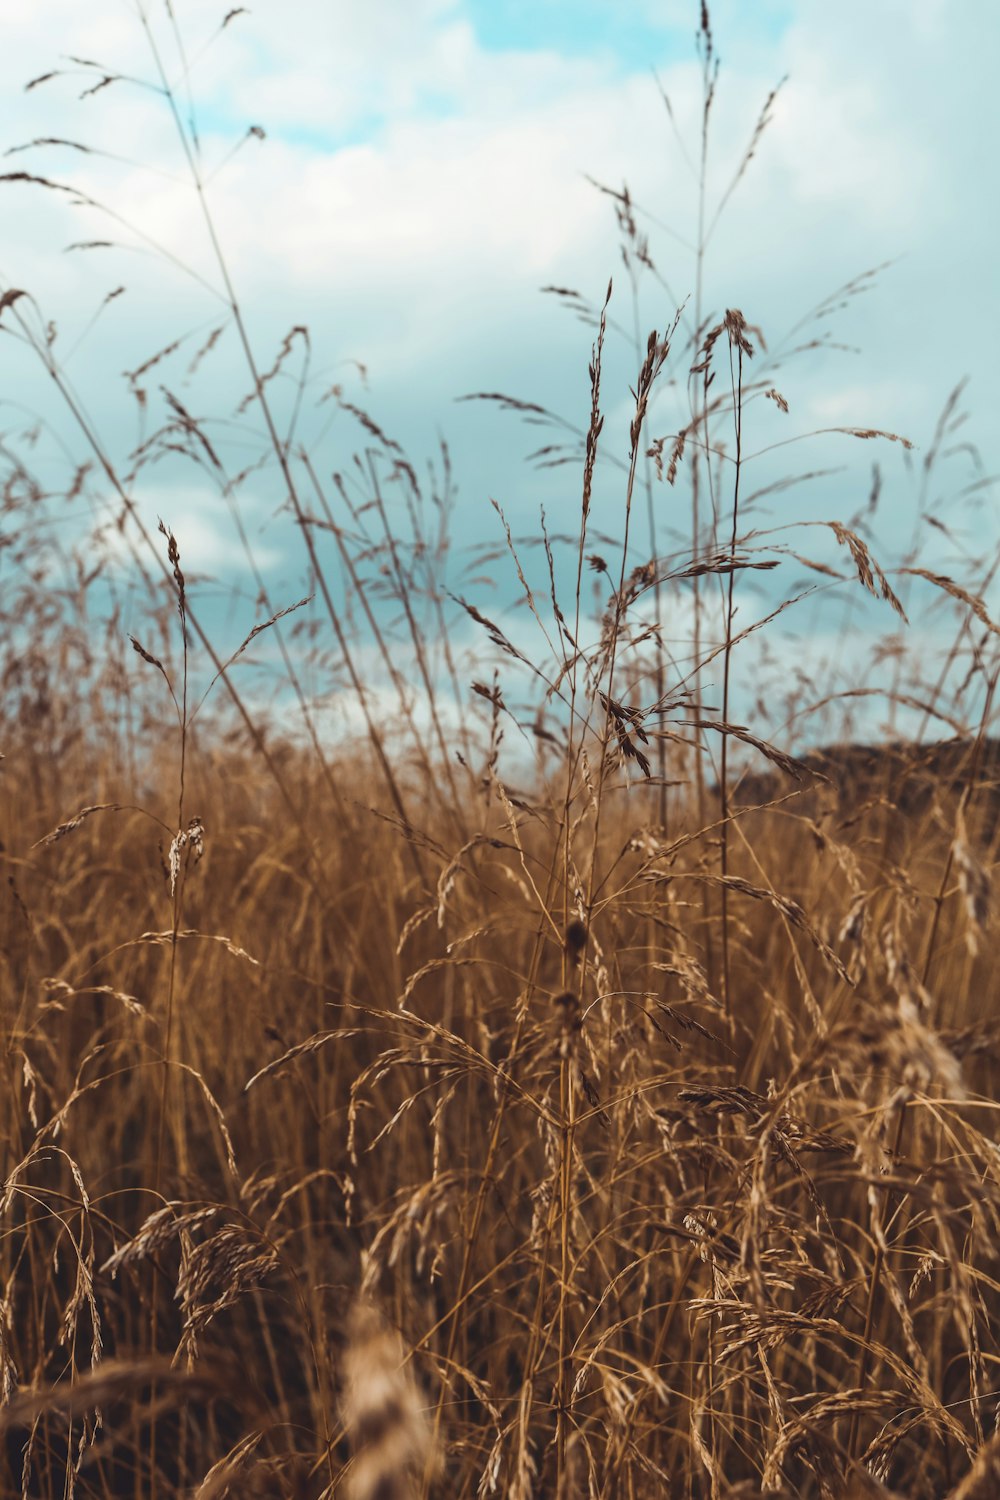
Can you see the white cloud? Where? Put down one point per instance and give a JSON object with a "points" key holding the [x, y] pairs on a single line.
{"points": [[416, 188], [203, 527]]}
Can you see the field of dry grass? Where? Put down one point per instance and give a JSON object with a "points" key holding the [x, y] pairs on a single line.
{"points": [[416, 1115]]}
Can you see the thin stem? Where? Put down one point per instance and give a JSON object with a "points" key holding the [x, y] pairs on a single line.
{"points": [[737, 382]]}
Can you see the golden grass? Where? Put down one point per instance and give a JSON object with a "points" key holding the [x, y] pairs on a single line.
{"points": [[757, 1252]]}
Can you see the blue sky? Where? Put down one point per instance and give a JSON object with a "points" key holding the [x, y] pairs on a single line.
{"points": [[632, 36], [424, 174]]}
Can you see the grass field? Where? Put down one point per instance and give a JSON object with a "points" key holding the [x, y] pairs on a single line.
{"points": [[420, 1114]]}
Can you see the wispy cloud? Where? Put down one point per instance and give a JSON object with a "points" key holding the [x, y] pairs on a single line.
{"points": [[423, 172]]}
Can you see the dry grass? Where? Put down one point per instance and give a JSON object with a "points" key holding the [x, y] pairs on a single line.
{"points": [[419, 1122]]}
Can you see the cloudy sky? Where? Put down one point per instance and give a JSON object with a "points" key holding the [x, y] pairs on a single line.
{"points": [[421, 171]]}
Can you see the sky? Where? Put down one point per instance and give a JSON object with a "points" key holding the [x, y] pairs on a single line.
{"points": [[403, 179]]}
